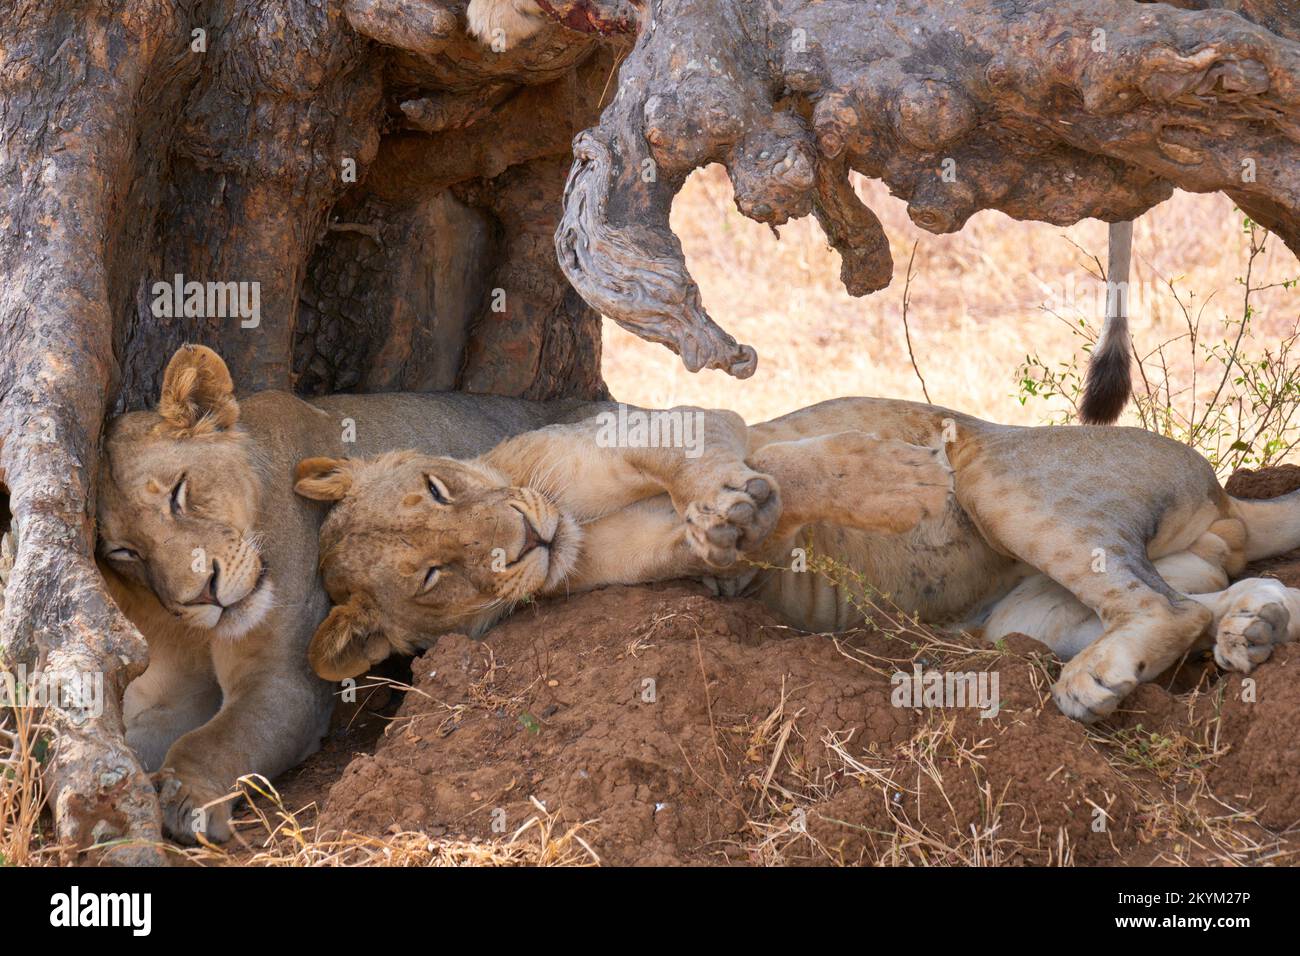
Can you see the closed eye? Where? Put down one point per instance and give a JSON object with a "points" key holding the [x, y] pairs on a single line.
{"points": [[438, 490], [179, 496], [430, 578], [122, 554]]}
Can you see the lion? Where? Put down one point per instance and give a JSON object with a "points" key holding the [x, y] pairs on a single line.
{"points": [[1113, 546], [209, 553]]}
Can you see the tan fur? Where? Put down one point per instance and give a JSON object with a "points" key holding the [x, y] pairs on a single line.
{"points": [[198, 394], [480, 539], [496, 537], [337, 653], [229, 690], [502, 24], [956, 520], [601, 514]]}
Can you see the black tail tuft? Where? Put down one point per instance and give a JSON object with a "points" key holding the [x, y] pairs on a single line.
{"points": [[1108, 384]]}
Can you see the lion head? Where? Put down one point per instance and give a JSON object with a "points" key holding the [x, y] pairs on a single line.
{"points": [[417, 546], [179, 498]]}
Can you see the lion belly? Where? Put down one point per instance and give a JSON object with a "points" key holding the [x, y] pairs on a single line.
{"points": [[943, 572]]}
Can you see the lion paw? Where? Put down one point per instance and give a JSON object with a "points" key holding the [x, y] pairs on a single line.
{"points": [[729, 585], [737, 518], [193, 808], [1093, 683], [502, 24], [1257, 619]]}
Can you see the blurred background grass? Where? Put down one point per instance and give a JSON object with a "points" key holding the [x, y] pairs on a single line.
{"points": [[980, 302]]}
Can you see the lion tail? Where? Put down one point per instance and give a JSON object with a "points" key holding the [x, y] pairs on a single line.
{"points": [[1272, 524], [1110, 377], [1106, 389]]}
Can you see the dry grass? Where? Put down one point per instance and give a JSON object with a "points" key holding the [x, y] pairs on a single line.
{"points": [[270, 834], [1179, 812], [1182, 819], [278, 836], [931, 759], [935, 759], [977, 304], [1165, 772], [22, 747]]}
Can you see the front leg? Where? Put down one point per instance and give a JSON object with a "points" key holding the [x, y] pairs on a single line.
{"points": [[639, 544], [596, 467], [847, 478], [274, 714], [177, 692]]}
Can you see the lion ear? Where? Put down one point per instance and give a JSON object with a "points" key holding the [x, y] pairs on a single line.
{"points": [[197, 390], [348, 641], [323, 479]]}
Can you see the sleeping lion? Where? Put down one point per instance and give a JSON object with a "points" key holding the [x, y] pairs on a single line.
{"points": [[205, 548], [1113, 546]]}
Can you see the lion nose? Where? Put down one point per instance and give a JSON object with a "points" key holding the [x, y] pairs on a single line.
{"points": [[532, 537], [209, 595]]}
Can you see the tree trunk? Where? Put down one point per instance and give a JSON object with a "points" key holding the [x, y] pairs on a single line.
{"points": [[136, 149], [396, 192]]}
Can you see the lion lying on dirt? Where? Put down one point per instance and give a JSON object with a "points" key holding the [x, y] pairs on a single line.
{"points": [[1113, 546], [208, 552]]}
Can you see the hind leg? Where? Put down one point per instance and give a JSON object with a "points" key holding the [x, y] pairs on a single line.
{"points": [[1046, 502], [1250, 618], [849, 478], [1050, 613], [856, 480], [1144, 625]]}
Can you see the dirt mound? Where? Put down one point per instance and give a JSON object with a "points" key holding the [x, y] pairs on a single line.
{"points": [[1265, 483], [1261, 718], [659, 725], [677, 728]]}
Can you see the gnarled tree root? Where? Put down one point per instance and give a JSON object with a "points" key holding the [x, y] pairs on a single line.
{"points": [[1055, 110], [55, 368], [144, 139]]}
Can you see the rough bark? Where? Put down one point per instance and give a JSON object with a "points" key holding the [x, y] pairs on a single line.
{"points": [[1053, 110], [66, 167], [505, 150], [285, 96], [130, 156]]}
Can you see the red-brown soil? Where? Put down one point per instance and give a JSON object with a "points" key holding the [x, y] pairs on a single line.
{"points": [[671, 727]]}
